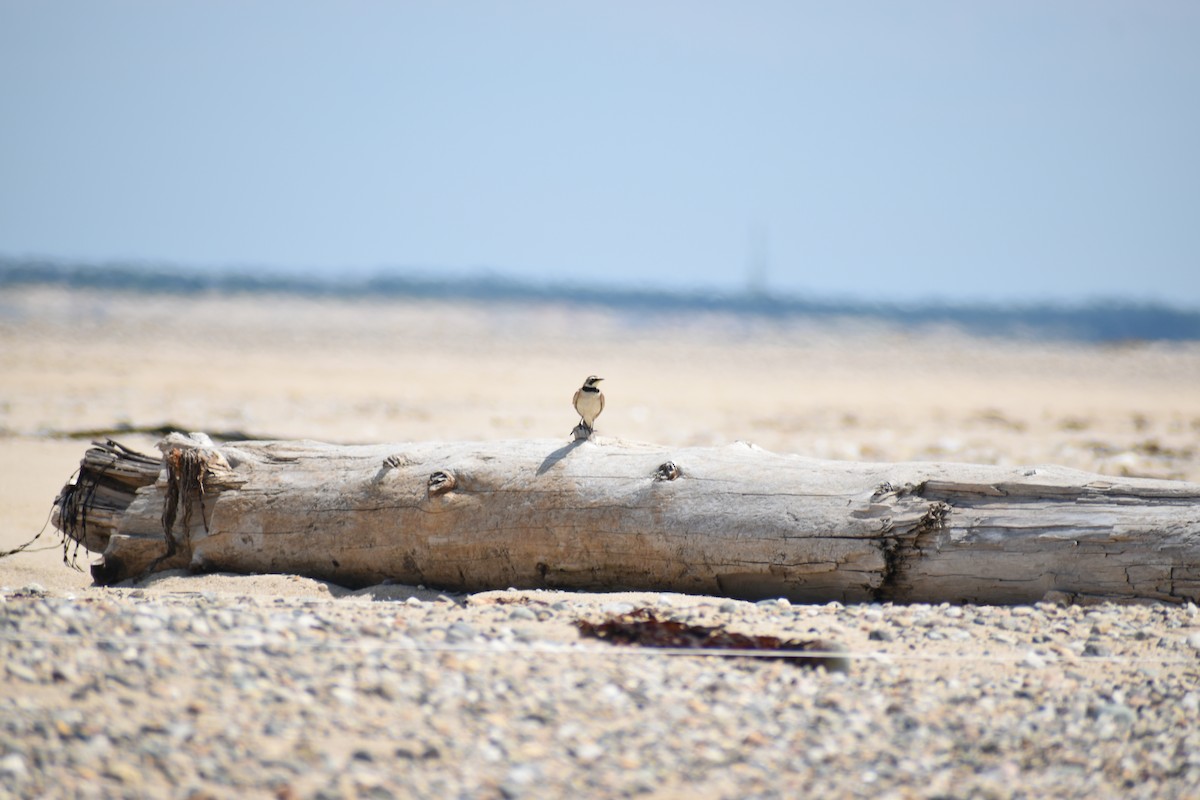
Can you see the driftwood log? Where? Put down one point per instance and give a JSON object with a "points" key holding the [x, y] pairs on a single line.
{"points": [[603, 514]]}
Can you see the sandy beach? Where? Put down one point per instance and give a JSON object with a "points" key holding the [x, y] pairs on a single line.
{"points": [[280, 686]]}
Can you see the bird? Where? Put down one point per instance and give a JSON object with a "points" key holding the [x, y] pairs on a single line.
{"points": [[589, 402]]}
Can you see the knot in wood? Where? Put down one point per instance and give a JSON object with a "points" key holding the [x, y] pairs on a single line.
{"points": [[667, 471], [395, 461], [904, 490], [935, 517], [441, 482]]}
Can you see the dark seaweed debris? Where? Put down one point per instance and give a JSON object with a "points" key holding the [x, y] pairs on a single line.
{"points": [[642, 627]]}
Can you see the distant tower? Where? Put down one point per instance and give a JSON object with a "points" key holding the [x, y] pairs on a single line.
{"points": [[758, 259]]}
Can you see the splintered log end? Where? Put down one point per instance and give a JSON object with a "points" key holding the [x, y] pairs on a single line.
{"points": [[92, 506], [88, 509]]}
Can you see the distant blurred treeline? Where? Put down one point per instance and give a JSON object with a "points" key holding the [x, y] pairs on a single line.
{"points": [[1109, 321]]}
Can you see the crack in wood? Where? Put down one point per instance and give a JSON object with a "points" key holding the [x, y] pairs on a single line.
{"points": [[901, 550]]}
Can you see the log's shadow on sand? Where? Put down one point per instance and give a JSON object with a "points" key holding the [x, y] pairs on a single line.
{"points": [[558, 455], [182, 582]]}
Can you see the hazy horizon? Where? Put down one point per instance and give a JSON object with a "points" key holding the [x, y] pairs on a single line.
{"points": [[157, 275]]}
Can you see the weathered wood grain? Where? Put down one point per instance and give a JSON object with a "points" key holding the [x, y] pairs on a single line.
{"points": [[605, 514]]}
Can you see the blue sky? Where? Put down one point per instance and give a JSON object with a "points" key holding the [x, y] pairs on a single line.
{"points": [[992, 150]]}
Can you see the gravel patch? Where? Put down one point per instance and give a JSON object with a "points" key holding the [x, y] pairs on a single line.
{"points": [[399, 693]]}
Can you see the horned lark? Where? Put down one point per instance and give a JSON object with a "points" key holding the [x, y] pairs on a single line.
{"points": [[589, 402]]}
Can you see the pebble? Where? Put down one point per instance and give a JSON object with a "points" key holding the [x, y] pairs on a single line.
{"points": [[617, 609], [460, 632], [214, 695], [1033, 660], [522, 613]]}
